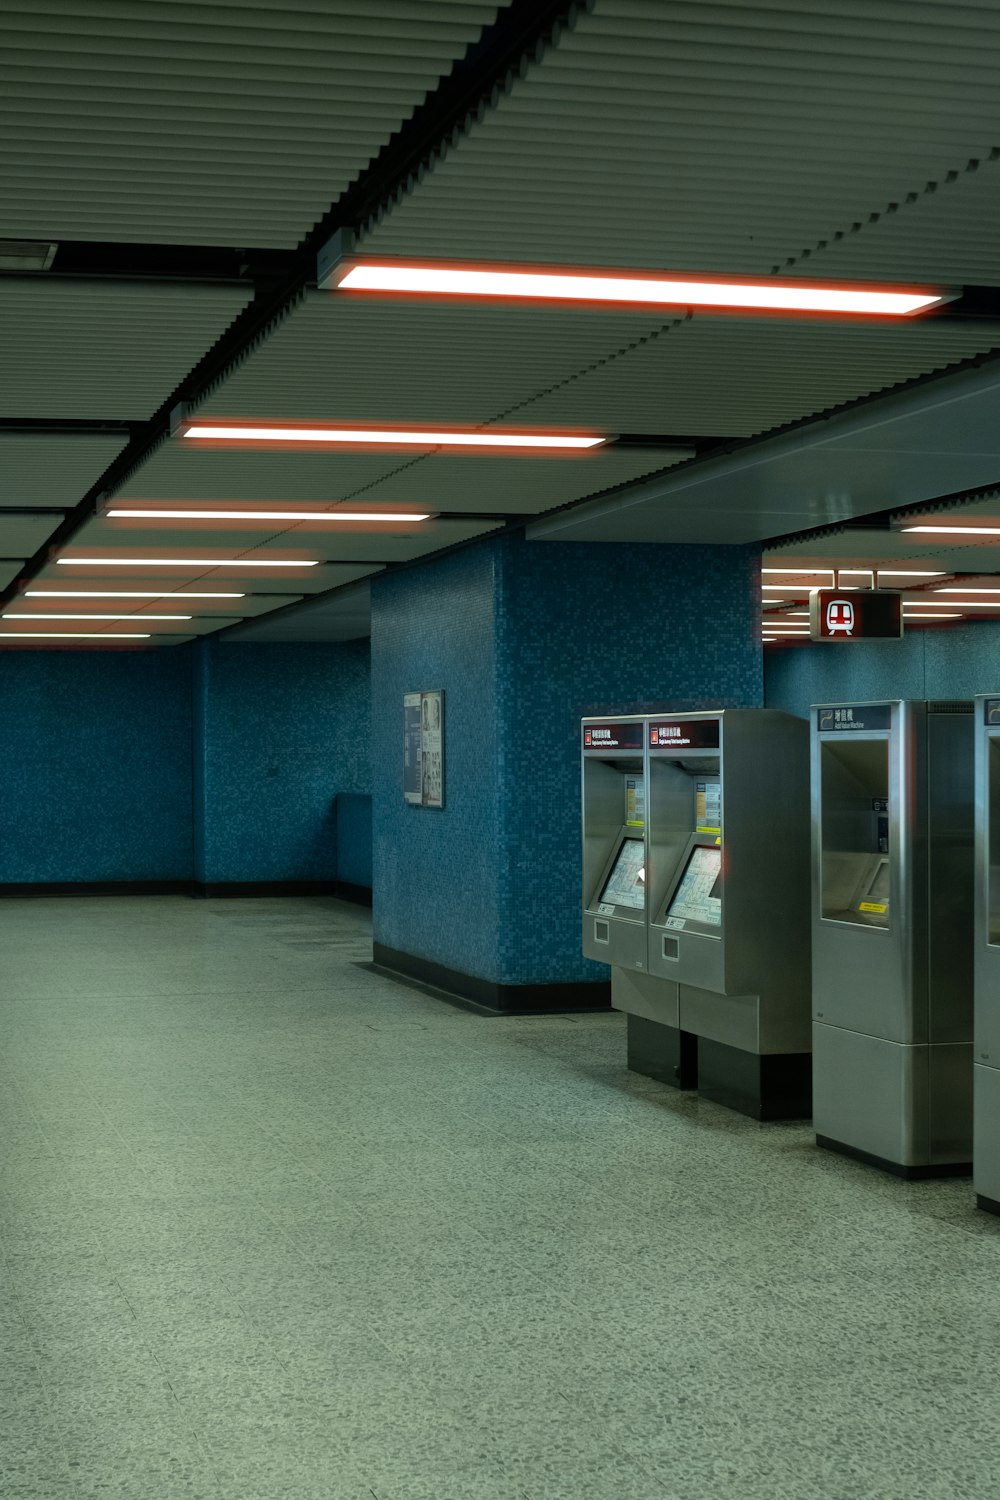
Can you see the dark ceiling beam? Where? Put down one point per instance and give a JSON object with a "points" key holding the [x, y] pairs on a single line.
{"points": [[78, 426]]}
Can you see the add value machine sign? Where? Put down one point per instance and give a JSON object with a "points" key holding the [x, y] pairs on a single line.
{"points": [[868, 614]]}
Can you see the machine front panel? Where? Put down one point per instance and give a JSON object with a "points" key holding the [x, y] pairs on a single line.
{"points": [[872, 1095]]}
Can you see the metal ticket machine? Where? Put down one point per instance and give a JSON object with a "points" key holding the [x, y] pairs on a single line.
{"points": [[892, 822], [614, 841], [726, 1002], [986, 1052]]}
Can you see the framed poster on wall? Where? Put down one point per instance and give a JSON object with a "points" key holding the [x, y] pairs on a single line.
{"points": [[423, 748]]}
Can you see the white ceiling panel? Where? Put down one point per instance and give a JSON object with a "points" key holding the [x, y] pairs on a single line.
{"points": [[21, 536], [53, 469], [77, 349], [8, 571], [220, 123], [342, 616]]}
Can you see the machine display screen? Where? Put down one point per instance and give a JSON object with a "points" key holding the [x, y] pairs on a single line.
{"points": [[697, 897], [626, 885]]}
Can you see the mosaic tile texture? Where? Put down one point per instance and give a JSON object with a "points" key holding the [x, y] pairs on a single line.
{"points": [[280, 729], [954, 663], [96, 751], [272, 1226], [525, 638]]}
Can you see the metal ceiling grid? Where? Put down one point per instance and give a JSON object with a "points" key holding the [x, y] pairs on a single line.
{"points": [[690, 134], [226, 122], [111, 351], [53, 469], [344, 358], [744, 377], [501, 485]]}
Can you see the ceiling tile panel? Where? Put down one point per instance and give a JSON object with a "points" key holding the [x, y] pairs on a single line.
{"points": [[54, 469], [21, 536]]}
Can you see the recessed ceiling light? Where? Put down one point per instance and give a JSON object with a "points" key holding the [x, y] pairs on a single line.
{"points": [[120, 594], [178, 562], [908, 573], [380, 518], [957, 530], [387, 437], [801, 572], [31, 615], [911, 615], [954, 589], [652, 289], [78, 635]]}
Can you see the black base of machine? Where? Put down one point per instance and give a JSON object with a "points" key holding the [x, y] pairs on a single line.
{"points": [[662, 1052], [988, 1205], [773, 1086], [917, 1173]]}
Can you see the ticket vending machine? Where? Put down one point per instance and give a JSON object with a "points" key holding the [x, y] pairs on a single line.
{"points": [[614, 841], [892, 789], [986, 1030], [726, 1000]]}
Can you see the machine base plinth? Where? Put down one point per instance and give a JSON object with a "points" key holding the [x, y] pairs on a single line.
{"points": [[916, 1173], [662, 1052], [769, 1086], [988, 1205]]}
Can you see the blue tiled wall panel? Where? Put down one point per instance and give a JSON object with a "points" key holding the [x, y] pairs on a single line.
{"points": [[354, 838], [951, 663], [584, 627], [96, 755], [525, 638], [283, 728], [436, 871]]}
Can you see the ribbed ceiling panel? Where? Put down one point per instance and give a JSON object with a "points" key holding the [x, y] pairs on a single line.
{"points": [[220, 123], [341, 359], [709, 136], [54, 470], [710, 376], [111, 351], [21, 536]]}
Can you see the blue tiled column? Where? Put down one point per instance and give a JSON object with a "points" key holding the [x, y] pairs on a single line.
{"points": [[525, 638]]}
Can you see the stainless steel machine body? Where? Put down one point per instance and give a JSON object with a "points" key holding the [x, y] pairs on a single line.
{"points": [[720, 970], [986, 1030], [892, 790], [614, 841]]}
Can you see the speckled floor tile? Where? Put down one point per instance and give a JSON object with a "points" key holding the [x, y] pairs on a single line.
{"points": [[274, 1226]]}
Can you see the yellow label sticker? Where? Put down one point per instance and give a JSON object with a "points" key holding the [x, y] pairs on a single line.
{"points": [[703, 828], [877, 906], [635, 823]]}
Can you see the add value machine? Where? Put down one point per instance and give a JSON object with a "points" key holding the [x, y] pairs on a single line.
{"points": [[716, 984], [892, 788], [986, 1069]]}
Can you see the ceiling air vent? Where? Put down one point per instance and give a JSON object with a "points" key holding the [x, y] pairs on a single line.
{"points": [[27, 255]]}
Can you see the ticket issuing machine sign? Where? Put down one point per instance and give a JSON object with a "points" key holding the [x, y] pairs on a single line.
{"points": [[868, 614]]}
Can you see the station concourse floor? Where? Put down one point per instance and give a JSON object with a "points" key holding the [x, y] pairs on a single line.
{"points": [[275, 1226]]}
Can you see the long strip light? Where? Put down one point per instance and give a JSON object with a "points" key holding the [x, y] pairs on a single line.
{"points": [[910, 615], [180, 562], [119, 594], [382, 437], [31, 615], [957, 530], [381, 518], [907, 573], [800, 572], [657, 290], [77, 635], [954, 589]]}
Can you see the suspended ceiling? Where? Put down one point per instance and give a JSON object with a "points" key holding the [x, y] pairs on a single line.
{"points": [[182, 158]]}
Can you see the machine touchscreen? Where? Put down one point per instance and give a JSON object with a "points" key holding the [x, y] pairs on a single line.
{"points": [[697, 899], [626, 885]]}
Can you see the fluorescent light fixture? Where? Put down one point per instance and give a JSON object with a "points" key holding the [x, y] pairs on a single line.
{"points": [[786, 588], [941, 604], [954, 589], [957, 530], [801, 572], [31, 615], [651, 289], [382, 437], [77, 635], [118, 594], [907, 573], [178, 562], [382, 517], [912, 615]]}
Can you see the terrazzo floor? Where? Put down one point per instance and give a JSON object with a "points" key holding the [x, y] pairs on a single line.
{"points": [[273, 1226]]}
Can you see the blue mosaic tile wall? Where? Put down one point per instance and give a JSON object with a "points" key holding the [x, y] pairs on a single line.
{"points": [[96, 755], [525, 638], [436, 871], [281, 728], [952, 663]]}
